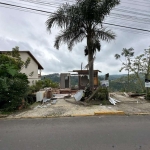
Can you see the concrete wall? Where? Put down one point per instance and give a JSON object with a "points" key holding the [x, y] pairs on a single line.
{"points": [[33, 66], [64, 80]]}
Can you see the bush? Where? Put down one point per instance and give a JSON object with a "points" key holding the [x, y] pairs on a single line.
{"points": [[13, 84], [13, 90], [42, 84]]}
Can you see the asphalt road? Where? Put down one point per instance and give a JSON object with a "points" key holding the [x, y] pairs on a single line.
{"points": [[79, 133]]}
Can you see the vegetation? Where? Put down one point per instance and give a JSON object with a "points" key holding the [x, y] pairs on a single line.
{"points": [[15, 91], [128, 54], [139, 65], [117, 82], [14, 85], [41, 84], [121, 84], [83, 20]]}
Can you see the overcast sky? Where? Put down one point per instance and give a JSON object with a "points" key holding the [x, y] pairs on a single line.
{"points": [[28, 31]]}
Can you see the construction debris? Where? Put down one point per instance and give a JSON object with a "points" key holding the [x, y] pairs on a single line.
{"points": [[127, 95], [61, 95], [136, 94], [113, 101], [78, 95], [54, 101]]}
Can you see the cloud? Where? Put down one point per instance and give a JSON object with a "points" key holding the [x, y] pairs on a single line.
{"points": [[28, 31]]}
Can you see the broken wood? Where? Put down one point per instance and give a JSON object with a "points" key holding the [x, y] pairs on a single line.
{"points": [[126, 94]]}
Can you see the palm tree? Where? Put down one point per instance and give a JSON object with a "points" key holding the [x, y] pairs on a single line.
{"points": [[83, 20]]}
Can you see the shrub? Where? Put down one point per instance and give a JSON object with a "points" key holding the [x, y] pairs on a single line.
{"points": [[13, 84]]}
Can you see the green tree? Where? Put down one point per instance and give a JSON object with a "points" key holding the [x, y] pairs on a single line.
{"points": [[83, 20], [121, 84], [127, 54], [138, 65], [14, 85]]}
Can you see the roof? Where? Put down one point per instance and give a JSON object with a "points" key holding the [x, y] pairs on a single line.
{"points": [[30, 54]]}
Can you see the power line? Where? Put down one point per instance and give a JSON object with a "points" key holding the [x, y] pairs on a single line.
{"points": [[139, 29], [122, 10], [25, 7], [127, 27], [28, 11], [119, 16]]}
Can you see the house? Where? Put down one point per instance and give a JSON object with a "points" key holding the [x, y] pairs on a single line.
{"points": [[34, 66]]}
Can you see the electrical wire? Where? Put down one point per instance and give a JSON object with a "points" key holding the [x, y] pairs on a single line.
{"points": [[48, 12]]}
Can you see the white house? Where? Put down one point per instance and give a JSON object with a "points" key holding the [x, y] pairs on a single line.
{"points": [[34, 66]]}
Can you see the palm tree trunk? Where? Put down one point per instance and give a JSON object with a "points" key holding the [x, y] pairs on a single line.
{"points": [[91, 74], [90, 62]]}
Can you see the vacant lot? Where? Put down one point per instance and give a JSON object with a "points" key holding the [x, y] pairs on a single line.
{"points": [[64, 108]]}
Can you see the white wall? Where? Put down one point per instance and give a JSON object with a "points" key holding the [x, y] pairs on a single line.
{"points": [[33, 66]]}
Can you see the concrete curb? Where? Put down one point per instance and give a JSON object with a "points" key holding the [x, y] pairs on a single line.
{"points": [[109, 113], [77, 115], [141, 114], [82, 115]]}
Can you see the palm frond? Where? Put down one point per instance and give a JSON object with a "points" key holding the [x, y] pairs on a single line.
{"points": [[77, 38], [96, 10], [96, 46], [104, 34], [69, 37], [59, 18]]}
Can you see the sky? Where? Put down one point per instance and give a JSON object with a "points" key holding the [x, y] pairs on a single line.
{"points": [[27, 29]]}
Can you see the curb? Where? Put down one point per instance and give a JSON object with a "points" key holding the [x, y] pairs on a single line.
{"points": [[82, 115], [141, 114], [78, 115], [109, 113], [75, 115]]}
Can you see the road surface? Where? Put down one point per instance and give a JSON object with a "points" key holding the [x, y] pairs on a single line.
{"points": [[76, 133]]}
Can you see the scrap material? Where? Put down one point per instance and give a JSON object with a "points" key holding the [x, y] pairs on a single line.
{"points": [[113, 101], [78, 95]]}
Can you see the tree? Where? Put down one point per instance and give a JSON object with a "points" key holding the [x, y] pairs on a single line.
{"points": [[121, 84], [83, 20], [137, 65], [13, 84], [128, 54]]}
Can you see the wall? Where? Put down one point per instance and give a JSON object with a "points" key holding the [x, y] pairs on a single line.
{"points": [[33, 66], [64, 80]]}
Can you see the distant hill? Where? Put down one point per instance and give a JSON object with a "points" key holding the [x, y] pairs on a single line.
{"points": [[55, 77], [112, 77], [116, 82]]}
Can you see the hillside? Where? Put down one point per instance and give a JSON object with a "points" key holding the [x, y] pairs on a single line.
{"points": [[74, 79], [116, 82]]}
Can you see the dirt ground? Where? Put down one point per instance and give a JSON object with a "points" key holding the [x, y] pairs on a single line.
{"points": [[64, 108], [132, 105]]}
